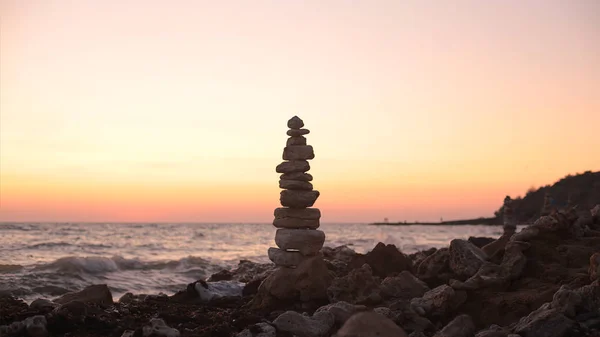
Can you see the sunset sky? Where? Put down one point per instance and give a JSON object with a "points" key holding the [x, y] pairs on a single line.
{"points": [[176, 110]]}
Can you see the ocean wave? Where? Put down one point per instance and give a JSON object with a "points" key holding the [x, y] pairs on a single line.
{"points": [[101, 265]]}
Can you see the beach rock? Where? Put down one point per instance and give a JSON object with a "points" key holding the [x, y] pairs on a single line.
{"points": [[158, 328], [403, 314], [342, 310], [405, 286], [284, 258], [594, 264], [465, 258], [298, 152], [306, 241], [294, 223], [493, 331], [514, 260], [223, 275], [435, 266], [496, 246], [292, 141], [128, 333], [308, 282], [43, 304], [97, 294], [295, 123], [247, 271], [301, 176], [461, 326], [259, 330], [385, 260], [303, 326], [295, 185], [358, 287], [438, 301], [293, 166], [370, 324], [340, 253], [36, 326], [297, 133], [480, 241], [75, 311], [298, 199], [544, 323], [298, 213]]}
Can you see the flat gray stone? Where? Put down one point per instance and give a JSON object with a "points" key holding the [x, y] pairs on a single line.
{"points": [[298, 199], [285, 259], [295, 123], [297, 133], [306, 241], [294, 223], [295, 185], [298, 213], [298, 152], [299, 140], [296, 176], [293, 166]]}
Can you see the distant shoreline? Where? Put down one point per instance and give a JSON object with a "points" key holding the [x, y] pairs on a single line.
{"points": [[479, 221]]}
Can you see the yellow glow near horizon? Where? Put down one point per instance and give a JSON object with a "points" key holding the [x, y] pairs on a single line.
{"points": [[155, 111]]}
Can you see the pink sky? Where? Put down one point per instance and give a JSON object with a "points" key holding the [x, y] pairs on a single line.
{"points": [[176, 111]]}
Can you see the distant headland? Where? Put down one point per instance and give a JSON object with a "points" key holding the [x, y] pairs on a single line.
{"points": [[582, 190]]}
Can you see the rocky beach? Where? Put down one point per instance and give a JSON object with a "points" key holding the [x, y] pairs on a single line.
{"points": [[542, 281]]}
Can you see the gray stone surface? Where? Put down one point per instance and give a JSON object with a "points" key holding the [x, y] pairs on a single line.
{"points": [[298, 152], [298, 213], [370, 324], [297, 176], [293, 166], [298, 199], [295, 123], [306, 241], [300, 140], [296, 133], [303, 326], [294, 223], [285, 259], [295, 185]]}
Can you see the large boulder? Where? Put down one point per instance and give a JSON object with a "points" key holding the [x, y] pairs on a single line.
{"points": [[303, 326], [370, 324], [307, 283], [384, 260], [96, 294], [461, 326], [342, 311], [435, 267], [439, 301], [405, 286], [544, 322], [465, 258], [359, 286]]}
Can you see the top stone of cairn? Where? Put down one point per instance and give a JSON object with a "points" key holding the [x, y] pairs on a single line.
{"points": [[295, 123]]}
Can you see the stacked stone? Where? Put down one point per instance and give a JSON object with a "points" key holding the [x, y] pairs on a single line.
{"points": [[297, 236], [510, 225]]}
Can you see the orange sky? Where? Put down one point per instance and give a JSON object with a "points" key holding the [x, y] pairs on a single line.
{"points": [[176, 110]]}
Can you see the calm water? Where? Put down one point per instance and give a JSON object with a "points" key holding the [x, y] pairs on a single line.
{"points": [[153, 258]]}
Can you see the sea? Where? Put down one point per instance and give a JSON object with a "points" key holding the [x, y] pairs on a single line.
{"points": [[43, 260]]}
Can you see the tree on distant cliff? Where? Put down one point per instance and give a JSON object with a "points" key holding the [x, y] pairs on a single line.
{"points": [[580, 189]]}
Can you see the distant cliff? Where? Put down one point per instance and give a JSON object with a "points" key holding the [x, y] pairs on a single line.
{"points": [[581, 189]]}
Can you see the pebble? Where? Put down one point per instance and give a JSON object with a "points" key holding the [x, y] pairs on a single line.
{"points": [[293, 166], [297, 133], [295, 185], [298, 213], [298, 152], [285, 259], [299, 140], [294, 223], [298, 199]]}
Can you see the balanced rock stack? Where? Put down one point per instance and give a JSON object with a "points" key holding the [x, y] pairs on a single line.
{"points": [[297, 236], [510, 225]]}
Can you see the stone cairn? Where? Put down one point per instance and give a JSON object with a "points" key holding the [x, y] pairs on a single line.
{"points": [[509, 226], [297, 236]]}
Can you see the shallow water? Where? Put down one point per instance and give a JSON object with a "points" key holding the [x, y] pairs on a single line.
{"points": [[37, 260]]}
